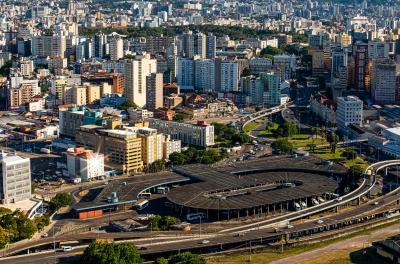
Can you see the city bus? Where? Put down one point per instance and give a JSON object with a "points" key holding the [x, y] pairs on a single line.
{"points": [[142, 205]]}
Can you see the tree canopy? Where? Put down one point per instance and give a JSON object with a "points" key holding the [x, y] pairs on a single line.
{"points": [[158, 222], [184, 258], [282, 145], [60, 200], [105, 253], [192, 155], [14, 226], [128, 104]]}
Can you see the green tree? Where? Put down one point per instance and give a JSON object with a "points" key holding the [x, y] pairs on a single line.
{"points": [[241, 138], [186, 258], [104, 253], [282, 145], [167, 221], [60, 200], [271, 51], [161, 261], [25, 226], [179, 117], [128, 104], [41, 222], [177, 158], [332, 139], [349, 154], [4, 237]]}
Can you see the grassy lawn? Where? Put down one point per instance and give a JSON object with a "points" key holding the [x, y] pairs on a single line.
{"points": [[301, 141], [269, 132], [343, 256], [252, 125], [326, 154]]}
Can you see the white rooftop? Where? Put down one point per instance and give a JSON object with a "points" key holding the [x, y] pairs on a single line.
{"points": [[394, 130]]}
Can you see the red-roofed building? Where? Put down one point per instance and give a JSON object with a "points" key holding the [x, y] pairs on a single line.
{"points": [[84, 164]]}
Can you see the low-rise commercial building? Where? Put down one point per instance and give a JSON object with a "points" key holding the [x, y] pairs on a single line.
{"points": [[201, 135], [85, 164]]}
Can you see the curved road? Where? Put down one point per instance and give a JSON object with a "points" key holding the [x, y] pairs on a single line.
{"points": [[262, 230]]}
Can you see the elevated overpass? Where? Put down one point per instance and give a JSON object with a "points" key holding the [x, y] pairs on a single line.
{"points": [[384, 207]]}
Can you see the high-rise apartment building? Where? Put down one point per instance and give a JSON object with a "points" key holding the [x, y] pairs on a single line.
{"points": [[211, 46], [272, 82], [116, 48], [136, 71], [204, 79], [229, 76], [154, 90], [383, 81], [186, 73], [361, 67]]}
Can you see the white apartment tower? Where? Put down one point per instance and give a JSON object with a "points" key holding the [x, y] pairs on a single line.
{"points": [[229, 76], [136, 71], [116, 48]]}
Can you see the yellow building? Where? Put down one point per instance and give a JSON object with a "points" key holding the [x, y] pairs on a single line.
{"points": [[93, 93], [59, 88], [345, 39], [122, 148]]}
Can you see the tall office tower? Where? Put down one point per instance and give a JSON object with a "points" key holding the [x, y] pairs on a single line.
{"points": [[15, 184], [116, 48], [84, 50], [378, 49], [70, 48], [211, 46], [286, 65], [349, 111], [318, 63], [229, 76], [273, 84], [361, 67], [204, 79], [188, 44], [71, 7], [172, 65], [383, 81], [100, 47], [136, 71], [154, 90], [339, 59], [185, 75], [200, 45]]}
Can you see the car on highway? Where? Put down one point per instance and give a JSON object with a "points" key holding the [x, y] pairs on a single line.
{"points": [[320, 221], [205, 242], [66, 248]]}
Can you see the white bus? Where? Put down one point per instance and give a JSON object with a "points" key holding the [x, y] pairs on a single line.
{"points": [[195, 216], [143, 204]]}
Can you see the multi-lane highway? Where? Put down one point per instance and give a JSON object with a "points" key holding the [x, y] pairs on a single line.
{"points": [[379, 209]]}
